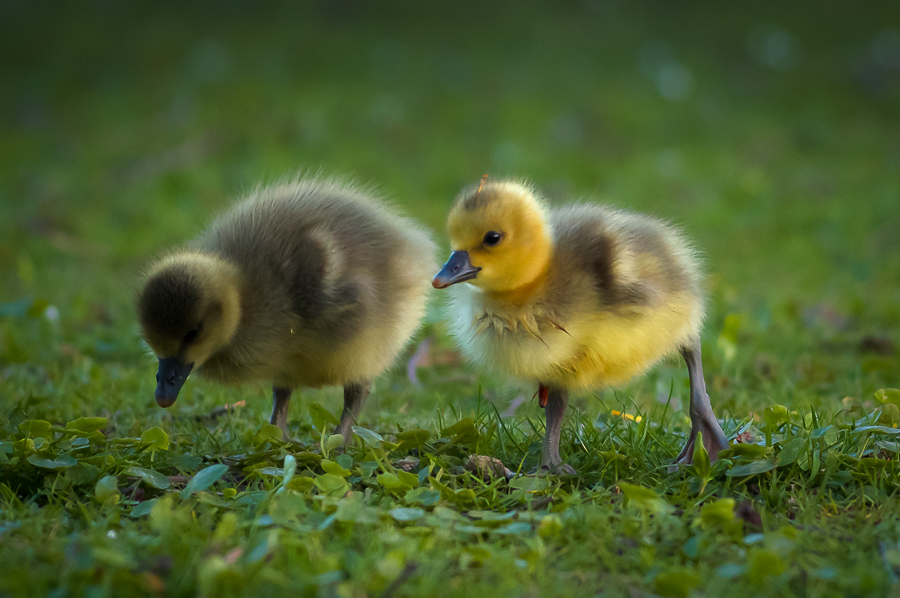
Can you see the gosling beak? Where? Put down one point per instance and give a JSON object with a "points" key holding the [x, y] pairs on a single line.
{"points": [[457, 269], [169, 379]]}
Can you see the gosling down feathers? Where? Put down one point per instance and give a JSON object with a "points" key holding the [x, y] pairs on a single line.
{"points": [[575, 297], [311, 283]]}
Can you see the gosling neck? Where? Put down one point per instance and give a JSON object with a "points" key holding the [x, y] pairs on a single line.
{"points": [[522, 294], [220, 281], [227, 280], [535, 270]]}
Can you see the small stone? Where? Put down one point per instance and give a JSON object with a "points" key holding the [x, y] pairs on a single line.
{"points": [[408, 464], [488, 468]]}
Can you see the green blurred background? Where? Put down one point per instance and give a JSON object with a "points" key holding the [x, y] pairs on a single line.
{"points": [[769, 131]]}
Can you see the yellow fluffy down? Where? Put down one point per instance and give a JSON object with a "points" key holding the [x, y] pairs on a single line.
{"points": [[589, 350], [606, 294]]}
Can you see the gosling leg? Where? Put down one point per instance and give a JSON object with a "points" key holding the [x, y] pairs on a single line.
{"points": [[555, 408], [354, 396], [702, 417], [281, 398]]}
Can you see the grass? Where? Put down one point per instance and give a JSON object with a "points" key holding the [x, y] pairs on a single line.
{"points": [[769, 133]]}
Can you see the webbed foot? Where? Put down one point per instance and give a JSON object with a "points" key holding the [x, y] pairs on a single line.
{"points": [[281, 399], [354, 397], [558, 469], [554, 401], [702, 417], [713, 440]]}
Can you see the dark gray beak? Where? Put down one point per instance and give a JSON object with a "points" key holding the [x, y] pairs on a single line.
{"points": [[169, 380], [457, 269]]}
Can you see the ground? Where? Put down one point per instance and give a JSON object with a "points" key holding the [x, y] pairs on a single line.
{"points": [[770, 133]]}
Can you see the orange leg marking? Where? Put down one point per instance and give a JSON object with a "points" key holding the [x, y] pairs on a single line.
{"points": [[543, 394]]}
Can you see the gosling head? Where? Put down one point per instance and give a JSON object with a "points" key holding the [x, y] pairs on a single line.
{"points": [[188, 308], [499, 238]]}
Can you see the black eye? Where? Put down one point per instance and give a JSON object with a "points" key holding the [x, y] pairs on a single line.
{"points": [[191, 336], [492, 238]]}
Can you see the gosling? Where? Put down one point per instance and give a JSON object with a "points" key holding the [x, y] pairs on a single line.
{"points": [[576, 297], [312, 283]]}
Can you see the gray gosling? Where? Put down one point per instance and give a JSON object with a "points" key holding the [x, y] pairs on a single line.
{"points": [[311, 283]]}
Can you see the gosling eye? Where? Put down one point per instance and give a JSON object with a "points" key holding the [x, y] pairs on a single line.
{"points": [[492, 238], [191, 335]]}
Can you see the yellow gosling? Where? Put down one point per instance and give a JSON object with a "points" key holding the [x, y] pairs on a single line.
{"points": [[573, 298]]}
